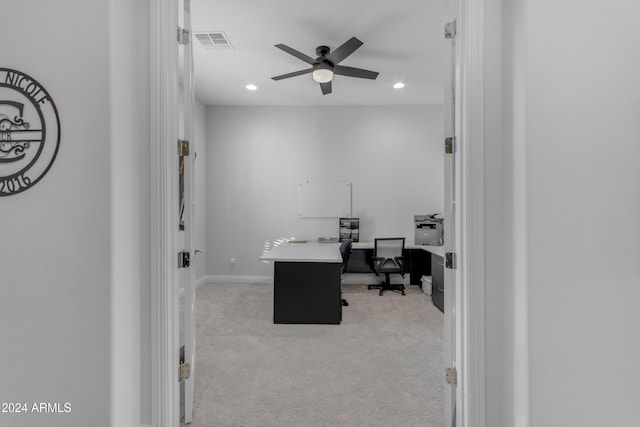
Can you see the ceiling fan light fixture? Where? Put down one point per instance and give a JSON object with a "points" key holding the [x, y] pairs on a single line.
{"points": [[398, 85], [327, 64], [251, 86], [322, 75]]}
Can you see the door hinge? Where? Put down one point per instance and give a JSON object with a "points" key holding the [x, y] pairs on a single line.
{"points": [[451, 376], [184, 372], [184, 259], [450, 145], [450, 30], [450, 260], [183, 147], [183, 36], [184, 369]]}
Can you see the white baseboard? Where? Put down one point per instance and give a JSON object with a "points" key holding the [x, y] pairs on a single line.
{"points": [[347, 278], [219, 278], [202, 281], [214, 278]]}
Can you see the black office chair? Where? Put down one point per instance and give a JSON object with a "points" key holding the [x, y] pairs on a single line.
{"points": [[387, 259], [345, 251]]}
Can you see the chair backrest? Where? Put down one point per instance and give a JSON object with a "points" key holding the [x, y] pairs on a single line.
{"points": [[345, 251], [389, 247]]}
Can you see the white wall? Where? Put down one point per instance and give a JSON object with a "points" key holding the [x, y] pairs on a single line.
{"points": [[72, 260], [583, 106], [55, 237], [562, 319], [129, 203], [257, 156], [498, 254]]}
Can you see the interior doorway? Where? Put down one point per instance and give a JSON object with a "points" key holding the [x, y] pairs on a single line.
{"points": [[315, 93], [170, 293]]}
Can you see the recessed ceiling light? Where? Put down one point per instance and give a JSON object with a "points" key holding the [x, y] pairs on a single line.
{"points": [[251, 86], [398, 85]]}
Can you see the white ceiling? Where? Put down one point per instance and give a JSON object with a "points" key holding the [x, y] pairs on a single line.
{"points": [[403, 41]]}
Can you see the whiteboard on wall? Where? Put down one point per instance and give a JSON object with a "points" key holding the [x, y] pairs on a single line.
{"points": [[324, 199]]}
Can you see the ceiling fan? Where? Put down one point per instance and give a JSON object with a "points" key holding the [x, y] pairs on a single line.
{"points": [[326, 64]]}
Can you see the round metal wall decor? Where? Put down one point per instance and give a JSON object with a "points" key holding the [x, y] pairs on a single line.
{"points": [[29, 132]]}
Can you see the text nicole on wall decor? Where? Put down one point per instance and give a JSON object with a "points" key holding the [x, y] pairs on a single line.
{"points": [[29, 132]]}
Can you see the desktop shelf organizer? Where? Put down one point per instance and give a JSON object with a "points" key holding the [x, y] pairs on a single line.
{"points": [[349, 229]]}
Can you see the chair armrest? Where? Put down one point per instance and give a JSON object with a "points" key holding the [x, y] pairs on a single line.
{"points": [[400, 261], [375, 263]]}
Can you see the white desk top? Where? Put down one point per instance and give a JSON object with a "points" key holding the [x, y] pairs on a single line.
{"points": [[304, 252], [408, 244], [329, 252]]}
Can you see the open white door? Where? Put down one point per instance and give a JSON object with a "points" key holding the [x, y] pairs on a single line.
{"points": [[464, 217], [451, 221], [187, 260]]}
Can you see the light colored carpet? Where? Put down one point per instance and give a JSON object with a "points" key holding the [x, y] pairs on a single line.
{"points": [[381, 367]]}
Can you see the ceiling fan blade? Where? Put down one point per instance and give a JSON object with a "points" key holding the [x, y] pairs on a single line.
{"points": [[345, 50], [295, 73], [297, 54], [326, 87], [341, 70]]}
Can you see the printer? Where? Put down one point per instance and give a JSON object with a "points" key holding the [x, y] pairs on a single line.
{"points": [[428, 230]]}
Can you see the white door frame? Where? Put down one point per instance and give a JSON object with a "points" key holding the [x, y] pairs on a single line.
{"points": [[164, 193], [165, 411], [451, 214], [470, 305], [188, 275]]}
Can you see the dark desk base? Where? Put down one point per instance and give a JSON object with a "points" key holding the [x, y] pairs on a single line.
{"points": [[437, 284], [417, 263], [307, 292]]}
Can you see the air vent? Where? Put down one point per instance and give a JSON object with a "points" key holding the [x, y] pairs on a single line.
{"points": [[213, 40]]}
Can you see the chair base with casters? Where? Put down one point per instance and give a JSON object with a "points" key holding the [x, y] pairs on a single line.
{"points": [[388, 259], [387, 286]]}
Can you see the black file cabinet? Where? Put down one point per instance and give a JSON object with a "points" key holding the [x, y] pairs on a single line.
{"points": [[437, 281], [419, 265]]}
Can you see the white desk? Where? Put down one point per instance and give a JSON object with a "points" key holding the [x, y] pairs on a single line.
{"points": [[307, 278], [330, 252], [304, 252], [408, 244]]}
